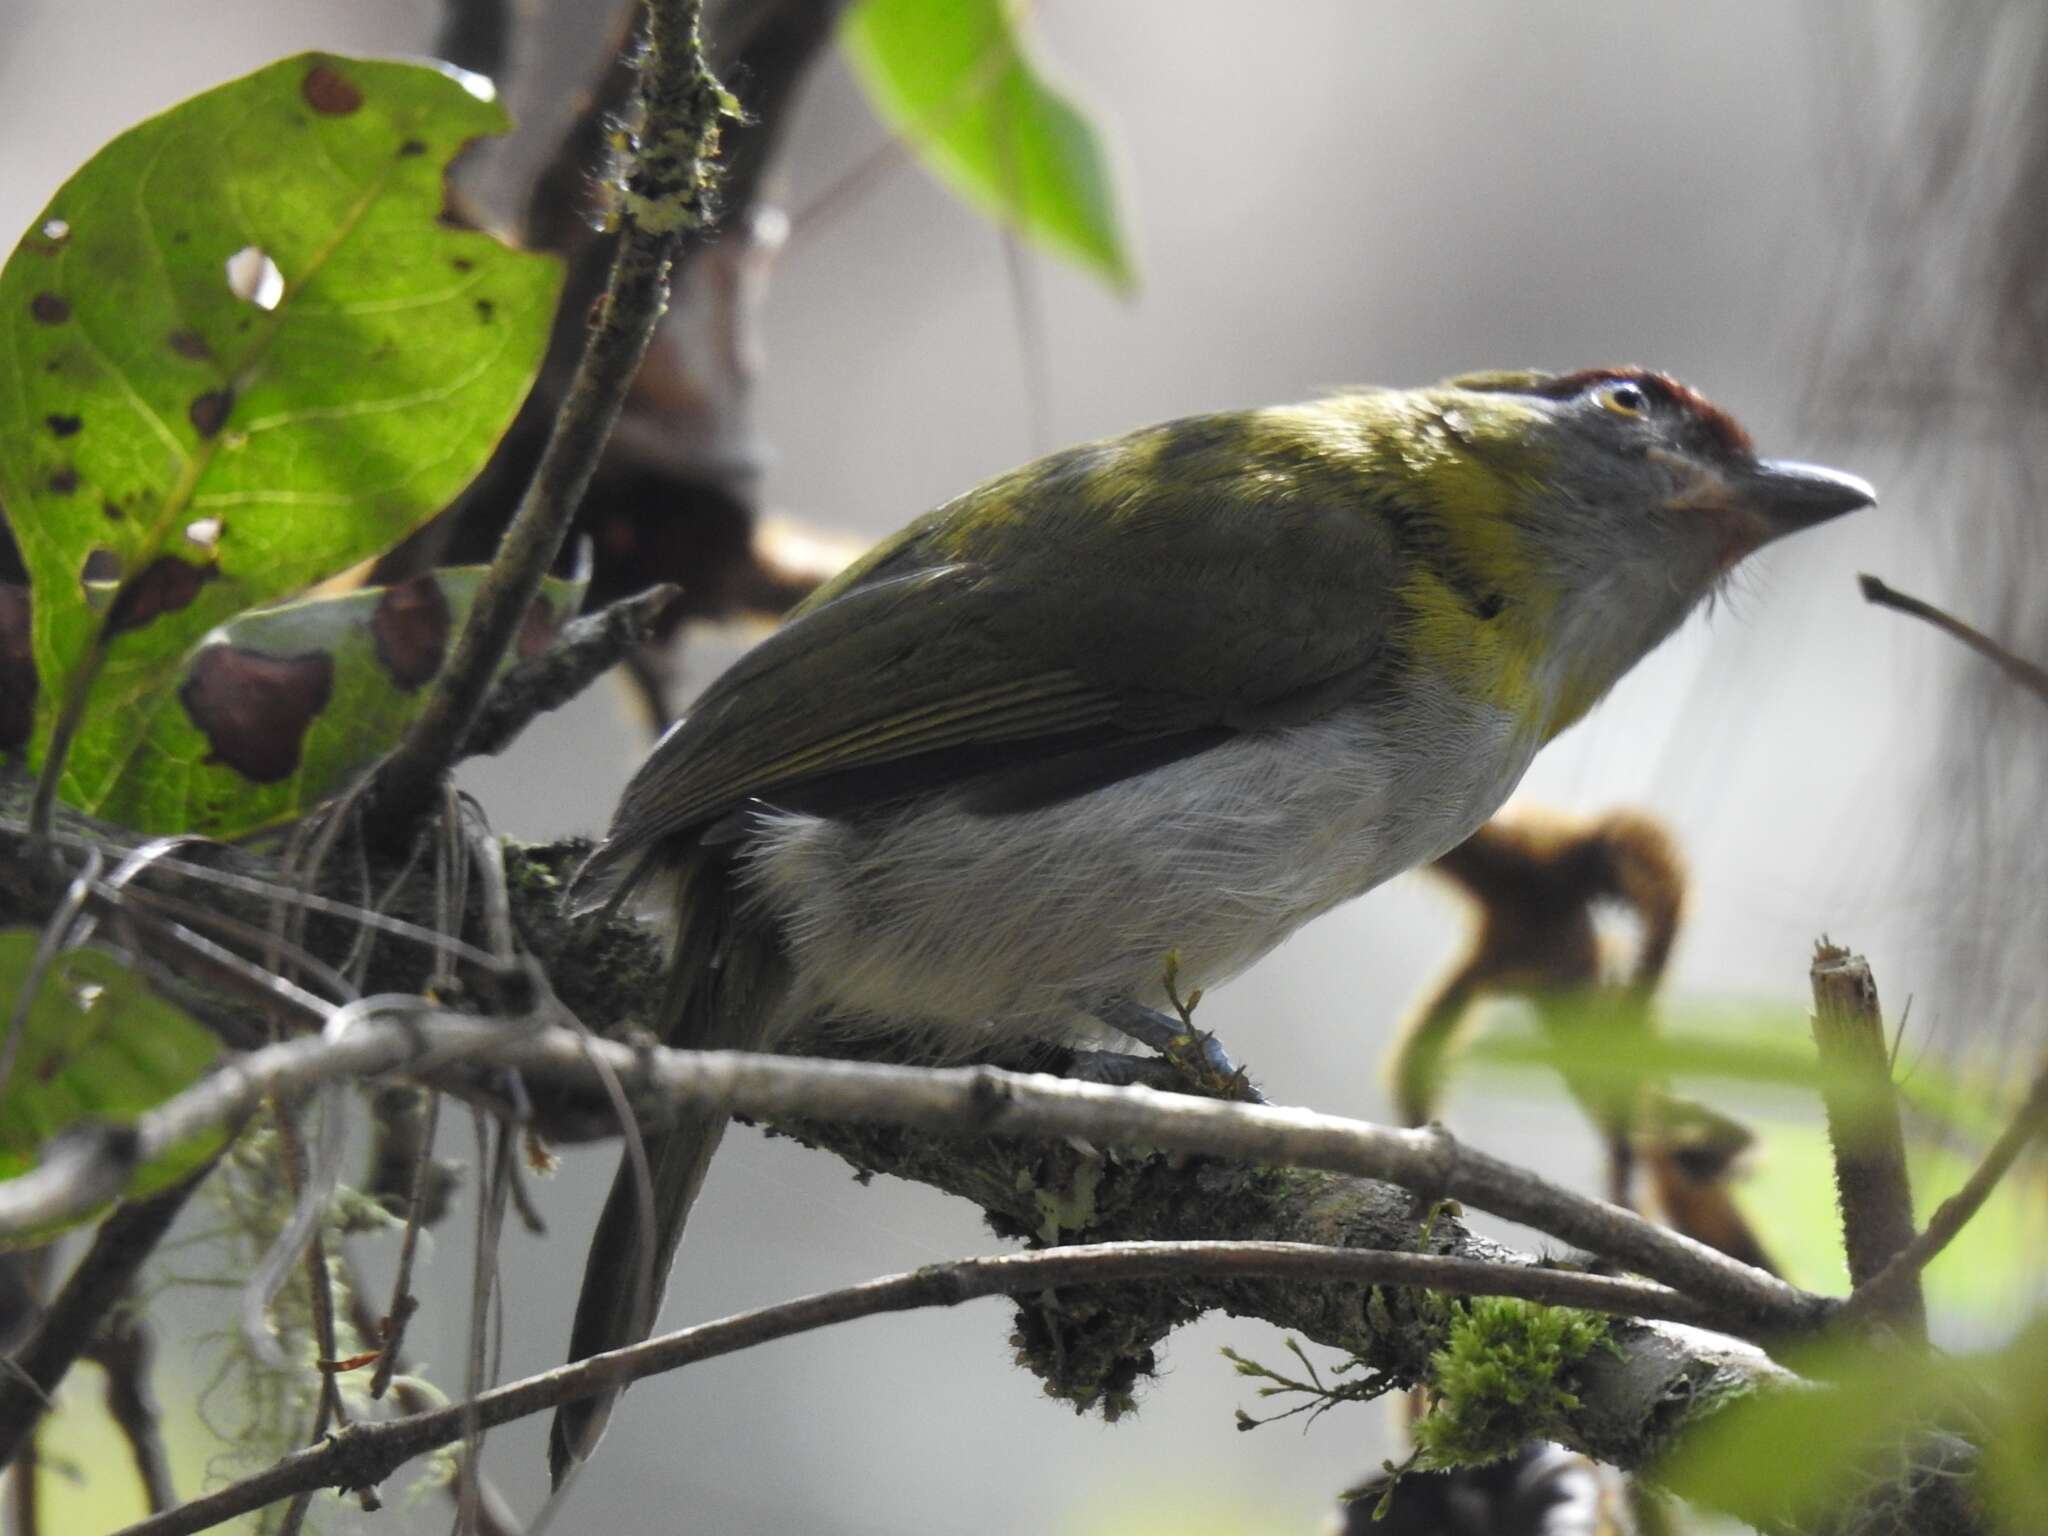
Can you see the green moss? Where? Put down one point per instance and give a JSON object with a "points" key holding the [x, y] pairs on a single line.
{"points": [[1505, 1375]]}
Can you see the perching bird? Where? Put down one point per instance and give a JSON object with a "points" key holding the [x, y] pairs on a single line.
{"points": [[1174, 692]]}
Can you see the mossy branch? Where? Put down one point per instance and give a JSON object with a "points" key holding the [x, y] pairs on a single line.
{"points": [[1090, 1344]]}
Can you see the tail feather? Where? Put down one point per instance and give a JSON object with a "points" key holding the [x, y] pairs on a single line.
{"points": [[725, 980]]}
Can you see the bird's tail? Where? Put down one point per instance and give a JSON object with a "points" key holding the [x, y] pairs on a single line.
{"points": [[725, 981]]}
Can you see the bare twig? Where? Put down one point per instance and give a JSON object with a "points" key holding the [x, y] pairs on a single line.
{"points": [[492, 1515], [486, 1303], [22, 1484], [665, 196], [585, 650], [1863, 1126], [112, 840], [1954, 1213], [389, 1332], [367, 1454], [125, 1349], [329, 1410], [2027, 674], [979, 1101], [93, 1289]]}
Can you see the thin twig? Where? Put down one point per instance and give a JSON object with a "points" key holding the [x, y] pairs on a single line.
{"points": [[493, 1516], [65, 1332], [1863, 1128], [584, 651], [329, 1410], [397, 1032], [2029, 676], [487, 1317], [389, 1334], [110, 841], [665, 197], [368, 1453], [23, 1484], [1954, 1213], [125, 1349]]}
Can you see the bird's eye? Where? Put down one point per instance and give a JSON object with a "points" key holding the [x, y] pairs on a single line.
{"points": [[1624, 399]]}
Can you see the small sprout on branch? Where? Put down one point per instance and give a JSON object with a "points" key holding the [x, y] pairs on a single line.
{"points": [[1322, 1396]]}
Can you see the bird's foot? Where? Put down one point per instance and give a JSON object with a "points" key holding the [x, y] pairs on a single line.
{"points": [[1116, 1069], [1197, 1055]]}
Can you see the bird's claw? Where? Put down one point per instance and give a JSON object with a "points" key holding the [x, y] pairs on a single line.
{"points": [[1196, 1054]]}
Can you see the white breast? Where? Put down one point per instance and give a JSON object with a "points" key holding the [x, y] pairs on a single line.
{"points": [[950, 919]]}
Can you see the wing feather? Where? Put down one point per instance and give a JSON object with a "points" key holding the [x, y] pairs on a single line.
{"points": [[1250, 589]]}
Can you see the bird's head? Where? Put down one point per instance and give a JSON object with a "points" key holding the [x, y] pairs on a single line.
{"points": [[1625, 497]]}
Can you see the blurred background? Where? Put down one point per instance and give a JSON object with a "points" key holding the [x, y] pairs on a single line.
{"points": [[1817, 213]]}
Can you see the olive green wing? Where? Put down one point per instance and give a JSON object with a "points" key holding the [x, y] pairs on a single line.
{"points": [[1105, 608]]}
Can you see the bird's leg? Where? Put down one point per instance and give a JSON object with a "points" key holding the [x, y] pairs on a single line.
{"points": [[1198, 1055]]}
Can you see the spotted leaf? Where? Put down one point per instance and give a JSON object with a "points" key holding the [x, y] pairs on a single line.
{"points": [[278, 709], [240, 351]]}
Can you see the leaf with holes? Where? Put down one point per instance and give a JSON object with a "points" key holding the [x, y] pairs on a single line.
{"points": [[956, 81], [278, 709], [99, 1047], [241, 351]]}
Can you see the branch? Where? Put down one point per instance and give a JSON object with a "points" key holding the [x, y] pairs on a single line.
{"points": [[972, 1101], [67, 1329], [586, 649], [125, 1350], [1635, 1401], [1882, 1291], [665, 196], [1871, 1184], [365, 1455], [2029, 676]]}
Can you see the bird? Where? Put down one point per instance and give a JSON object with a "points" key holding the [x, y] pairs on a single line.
{"points": [[1169, 694]]}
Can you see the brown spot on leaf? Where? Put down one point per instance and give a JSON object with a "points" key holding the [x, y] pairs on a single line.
{"points": [[165, 585], [536, 630], [485, 309], [209, 412], [190, 344], [17, 670], [329, 92], [412, 147], [113, 510], [462, 264], [62, 482], [254, 709], [49, 308], [61, 425], [410, 628]]}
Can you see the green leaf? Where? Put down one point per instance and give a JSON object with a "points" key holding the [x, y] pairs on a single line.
{"points": [[210, 453], [280, 708], [1762, 1045], [99, 1046], [1789, 1454], [1796, 1456], [956, 80]]}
